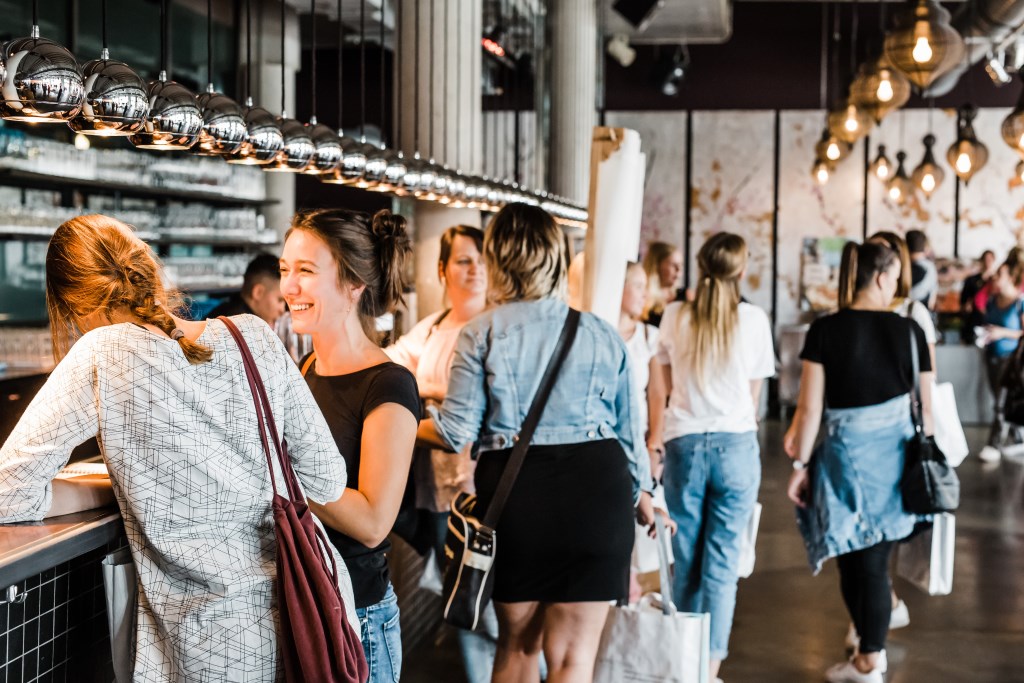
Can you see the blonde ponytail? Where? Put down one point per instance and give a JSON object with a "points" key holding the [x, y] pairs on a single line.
{"points": [[714, 313]]}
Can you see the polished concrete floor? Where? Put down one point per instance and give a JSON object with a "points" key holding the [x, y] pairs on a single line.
{"points": [[790, 625]]}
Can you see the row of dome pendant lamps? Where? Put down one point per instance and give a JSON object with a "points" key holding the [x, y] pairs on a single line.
{"points": [[42, 82]]}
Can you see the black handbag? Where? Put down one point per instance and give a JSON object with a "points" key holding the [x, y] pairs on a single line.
{"points": [[929, 484], [472, 542]]}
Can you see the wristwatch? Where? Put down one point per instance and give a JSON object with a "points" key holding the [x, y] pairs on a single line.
{"points": [[799, 464]]}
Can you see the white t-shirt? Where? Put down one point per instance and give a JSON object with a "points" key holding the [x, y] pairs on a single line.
{"points": [[724, 404], [920, 315], [642, 347]]}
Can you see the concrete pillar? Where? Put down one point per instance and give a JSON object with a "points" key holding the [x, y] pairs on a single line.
{"points": [[573, 95], [444, 48]]}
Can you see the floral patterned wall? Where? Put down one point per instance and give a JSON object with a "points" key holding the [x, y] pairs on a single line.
{"points": [[733, 188]]}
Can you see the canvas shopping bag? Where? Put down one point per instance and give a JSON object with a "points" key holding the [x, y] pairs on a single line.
{"points": [[122, 597], [949, 432], [926, 560], [748, 539], [652, 641]]}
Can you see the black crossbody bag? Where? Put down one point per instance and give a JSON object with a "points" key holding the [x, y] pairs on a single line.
{"points": [[472, 543], [929, 484]]}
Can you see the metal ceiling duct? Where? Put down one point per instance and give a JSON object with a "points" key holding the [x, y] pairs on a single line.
{"points": [[674, 22], [983, 24]]}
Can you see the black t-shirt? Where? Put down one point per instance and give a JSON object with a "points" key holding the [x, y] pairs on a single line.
{"points": [[345, 401], [866, 355]]}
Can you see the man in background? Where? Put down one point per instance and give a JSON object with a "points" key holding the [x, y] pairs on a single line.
{"points": [[924, 275], [261, 292]]}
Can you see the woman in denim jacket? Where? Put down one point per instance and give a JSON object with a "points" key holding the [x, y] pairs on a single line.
{"points": [[849, 503], [715, 354], [567, 529]]}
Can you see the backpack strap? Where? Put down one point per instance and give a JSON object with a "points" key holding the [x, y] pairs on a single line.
{"points": [[309, 363]]}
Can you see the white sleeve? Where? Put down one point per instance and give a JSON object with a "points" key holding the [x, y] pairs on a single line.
{"points": [[919, 313], [763, 351], [62, 415], [653, 336], [666, 334], [408, 350]]}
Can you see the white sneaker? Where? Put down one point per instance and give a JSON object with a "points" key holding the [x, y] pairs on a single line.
{"points": [[900, 616], [883, 660], [989, 454], [846, 672]]}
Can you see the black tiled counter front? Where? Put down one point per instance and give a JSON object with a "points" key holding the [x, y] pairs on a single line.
{"points": [[56, 627]]}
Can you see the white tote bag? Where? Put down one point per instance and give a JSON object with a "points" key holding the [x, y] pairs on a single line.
{"points": [[926, 560], [949, 432], [646, 643], [748, 541], [122, 597]]}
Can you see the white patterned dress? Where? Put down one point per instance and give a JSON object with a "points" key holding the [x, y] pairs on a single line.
{"points": [[182, 445]]}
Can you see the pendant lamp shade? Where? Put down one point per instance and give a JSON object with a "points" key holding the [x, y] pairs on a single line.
{"points": [[849, 123], [224, 127], [830, 148], [42, 82], [1019, 171], [900, 187], [881, 167], [1013, 125], [394, 173], [821, 171], [352, 162], [968, 154], [879, 89], [327, 152], [116, 101], [922, 44], [298, 147], [174, 120], [263, 138], [928, 175], [375, 166]]}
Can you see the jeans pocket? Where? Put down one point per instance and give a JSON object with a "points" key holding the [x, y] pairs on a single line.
{"points": [[393, 643], [740, 460]]}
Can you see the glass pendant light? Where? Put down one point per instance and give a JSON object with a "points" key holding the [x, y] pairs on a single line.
{"points": [[879, 89], [830, 148], [900, 187], [174, 120], [1013, 125], [968, 154], [263, 138], [224, 128], [116, 102], [881, 167], [1019, 171], [297, 149], [849, 123], [821, 171], [41, 80], [928, 175], [922, 44]]}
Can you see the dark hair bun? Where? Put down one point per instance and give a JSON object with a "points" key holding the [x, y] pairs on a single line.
{"points": [[388, 226]]}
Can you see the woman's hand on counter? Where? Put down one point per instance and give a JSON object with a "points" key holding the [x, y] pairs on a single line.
{"points": [[80, 493]]}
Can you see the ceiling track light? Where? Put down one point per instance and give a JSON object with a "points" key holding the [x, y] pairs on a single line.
{"points": [[996, 69], [41, 80], [968, 154]]}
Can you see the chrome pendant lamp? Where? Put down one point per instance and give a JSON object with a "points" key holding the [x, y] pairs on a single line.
{"points": [[393, 167], [224, 128], [41, 80], [352, 159], [375, 163], [263, 139], [174, 120], [298, 147], [116, 102], [327, 152]]}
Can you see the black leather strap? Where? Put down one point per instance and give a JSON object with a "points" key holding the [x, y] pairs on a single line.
{"points": [[540, 399], [915, 403]]}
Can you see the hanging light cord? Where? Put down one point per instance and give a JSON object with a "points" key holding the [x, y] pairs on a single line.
{"points": [[822, 70], [284, 106], [341, 64], [430, 93], [362, 70], [396, 72], [103, 23], [834, 76], [416, 84], [248, 50], [382, 80], [35, 12], [458, 102], [164, 66], [312, 18], [444, 87], [853, 39], [209, 42]]}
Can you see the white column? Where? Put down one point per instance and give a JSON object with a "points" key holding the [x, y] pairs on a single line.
{"points": [[573, 92]]}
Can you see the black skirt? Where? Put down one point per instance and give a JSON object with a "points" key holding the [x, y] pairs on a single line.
{"points": [[566, 534]]}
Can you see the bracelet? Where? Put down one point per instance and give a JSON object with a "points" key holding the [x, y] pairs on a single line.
{"points": [[799, 465]]}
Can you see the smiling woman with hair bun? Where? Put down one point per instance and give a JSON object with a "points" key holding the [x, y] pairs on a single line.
{"points": [[340, 271]]}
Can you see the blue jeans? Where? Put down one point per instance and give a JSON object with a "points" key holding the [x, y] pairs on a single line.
{"points": [[381, 633], [711, 483], [478, 647]]}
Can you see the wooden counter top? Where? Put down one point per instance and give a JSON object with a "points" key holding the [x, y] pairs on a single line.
{"points": [[29, 548]]}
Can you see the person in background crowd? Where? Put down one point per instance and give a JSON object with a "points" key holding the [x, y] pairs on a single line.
{"points": [[1014, 260], [178, 431], [924, 275], [1004, 322], [857, 361], [261, 292], [427, 350], [663, 264], [566, 533], [340, 271], [972, 285], [715, 354]]}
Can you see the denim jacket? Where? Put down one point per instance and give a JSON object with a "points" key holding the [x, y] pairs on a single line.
{"points": [[855, 481], [497, 366]]}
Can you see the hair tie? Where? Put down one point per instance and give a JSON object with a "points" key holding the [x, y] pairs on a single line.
{"points": [[177, 334]]}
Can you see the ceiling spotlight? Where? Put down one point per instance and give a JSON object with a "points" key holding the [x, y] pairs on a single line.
{"points": [[619, 49], [673, 71], [996, 70]]}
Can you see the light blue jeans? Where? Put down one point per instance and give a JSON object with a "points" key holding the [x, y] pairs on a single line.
{"points": [[711, 483], [381, 633]]}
